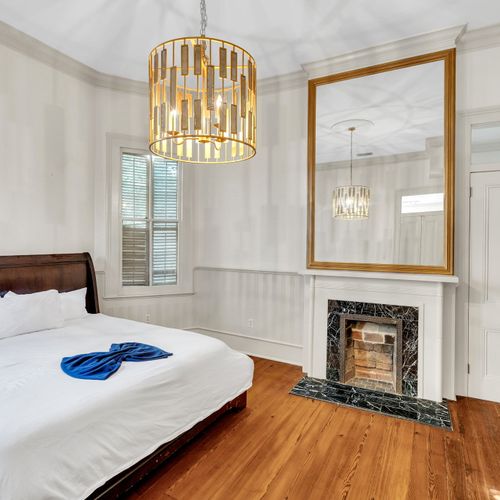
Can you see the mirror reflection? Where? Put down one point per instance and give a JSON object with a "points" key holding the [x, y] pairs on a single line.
{"points": [[380, 168]]}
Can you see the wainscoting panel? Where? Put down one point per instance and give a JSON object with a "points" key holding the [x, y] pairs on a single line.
{"points": [[175, 311], [257, 312]]}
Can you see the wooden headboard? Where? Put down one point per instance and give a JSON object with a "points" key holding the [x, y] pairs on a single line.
{"points": [[62, 272]]}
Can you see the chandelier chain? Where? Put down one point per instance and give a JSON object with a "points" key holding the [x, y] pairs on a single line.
{"points": [[351, 129], [203, 17]]}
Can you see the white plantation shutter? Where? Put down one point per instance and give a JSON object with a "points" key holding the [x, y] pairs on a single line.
{"points": [[150, 193], [165, 221]]}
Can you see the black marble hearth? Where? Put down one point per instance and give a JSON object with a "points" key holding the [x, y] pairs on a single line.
{"points": [[409, 356], [393, 405]]}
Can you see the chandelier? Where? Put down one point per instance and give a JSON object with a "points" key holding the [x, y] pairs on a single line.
{"points": [[351, 202], [203, 96]]}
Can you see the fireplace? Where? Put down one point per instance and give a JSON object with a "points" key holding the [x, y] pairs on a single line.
{"points": [[424, 304], [398, 318], [370, 352]]}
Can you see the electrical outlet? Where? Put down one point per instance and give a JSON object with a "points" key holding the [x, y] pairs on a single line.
{"points": [[250, 322], [148, 318]]}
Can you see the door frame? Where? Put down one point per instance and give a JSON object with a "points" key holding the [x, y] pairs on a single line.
{"points": [[467, 120]]}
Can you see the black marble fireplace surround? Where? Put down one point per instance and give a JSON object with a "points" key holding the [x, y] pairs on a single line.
{"points": [[409, 357]]}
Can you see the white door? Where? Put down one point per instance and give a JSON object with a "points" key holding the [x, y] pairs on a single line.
{"points": [[418, 234], [484, 298]]}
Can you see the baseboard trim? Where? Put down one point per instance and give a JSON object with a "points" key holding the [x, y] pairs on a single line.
{"points": [[274, 350]]}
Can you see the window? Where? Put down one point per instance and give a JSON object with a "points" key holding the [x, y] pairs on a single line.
{"points": [[149, 220], [422, 203]]}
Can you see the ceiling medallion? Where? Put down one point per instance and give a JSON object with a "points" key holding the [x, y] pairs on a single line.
{"points": [[203, 98]]}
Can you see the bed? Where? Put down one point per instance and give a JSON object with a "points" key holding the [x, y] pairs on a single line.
{"points": [[62, 437]]}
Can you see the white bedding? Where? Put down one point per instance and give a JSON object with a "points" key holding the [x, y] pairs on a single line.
{"points": [[61, 437]]}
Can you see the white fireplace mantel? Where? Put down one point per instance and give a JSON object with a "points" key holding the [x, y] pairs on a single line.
{"points": [[431, 278], [433, 295]]}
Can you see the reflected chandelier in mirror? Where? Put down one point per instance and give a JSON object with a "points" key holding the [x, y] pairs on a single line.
{"points": [[351, 202]]}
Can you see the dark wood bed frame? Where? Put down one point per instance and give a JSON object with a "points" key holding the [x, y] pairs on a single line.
{"points": [[66, 272]]}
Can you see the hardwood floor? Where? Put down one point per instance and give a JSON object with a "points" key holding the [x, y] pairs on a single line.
{"points": [[288, 447]]}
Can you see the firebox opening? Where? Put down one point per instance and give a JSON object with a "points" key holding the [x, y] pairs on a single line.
{"points": [[370, 355]]}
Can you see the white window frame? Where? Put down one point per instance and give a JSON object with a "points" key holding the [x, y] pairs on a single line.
{"points": [[116, 145]]}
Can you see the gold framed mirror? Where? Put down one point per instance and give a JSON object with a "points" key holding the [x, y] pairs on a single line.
{"points": [[381, 153]]}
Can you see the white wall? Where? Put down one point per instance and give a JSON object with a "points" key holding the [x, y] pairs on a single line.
{"points": [[117, 113], [47, 122], [249, 216], [478, 74]]}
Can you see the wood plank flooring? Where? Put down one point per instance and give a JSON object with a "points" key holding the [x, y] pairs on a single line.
{"points": [[288, 447]]}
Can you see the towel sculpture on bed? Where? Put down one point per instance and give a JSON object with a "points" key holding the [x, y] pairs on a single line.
{"points": [[101, 365]]}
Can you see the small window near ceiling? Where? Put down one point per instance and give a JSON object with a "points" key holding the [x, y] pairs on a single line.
{"points": [[150, 220], [422, 203], [485, 144]]}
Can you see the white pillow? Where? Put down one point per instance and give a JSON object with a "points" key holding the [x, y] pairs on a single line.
{"points": [[29, 313], [73, 304]]}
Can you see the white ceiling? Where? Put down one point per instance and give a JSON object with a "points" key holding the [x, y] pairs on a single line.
{"points": [[115, 36]]}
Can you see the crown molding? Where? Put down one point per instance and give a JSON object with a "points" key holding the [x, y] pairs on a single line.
{"points": [[278, 83], [481, 38], [31, 47], [433, 41], [477, 39], [121, 84], [41, 52]]}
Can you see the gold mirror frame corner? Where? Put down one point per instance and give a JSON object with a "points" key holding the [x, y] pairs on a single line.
{"points": [[448, 56]]}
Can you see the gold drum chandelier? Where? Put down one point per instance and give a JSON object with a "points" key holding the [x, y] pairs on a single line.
{"points": [[203, 96], [351, 202]]}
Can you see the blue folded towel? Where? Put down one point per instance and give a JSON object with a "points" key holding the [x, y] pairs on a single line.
{"points": [[101, 365]]}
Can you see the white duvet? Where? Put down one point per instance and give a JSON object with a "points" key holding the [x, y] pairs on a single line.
{"points": [[61, 437]]}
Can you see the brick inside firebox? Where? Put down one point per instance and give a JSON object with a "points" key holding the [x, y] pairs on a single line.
{"points": [[370, 355]]}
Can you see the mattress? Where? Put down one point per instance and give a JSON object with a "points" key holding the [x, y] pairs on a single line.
{"points": [[61, 437]]}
